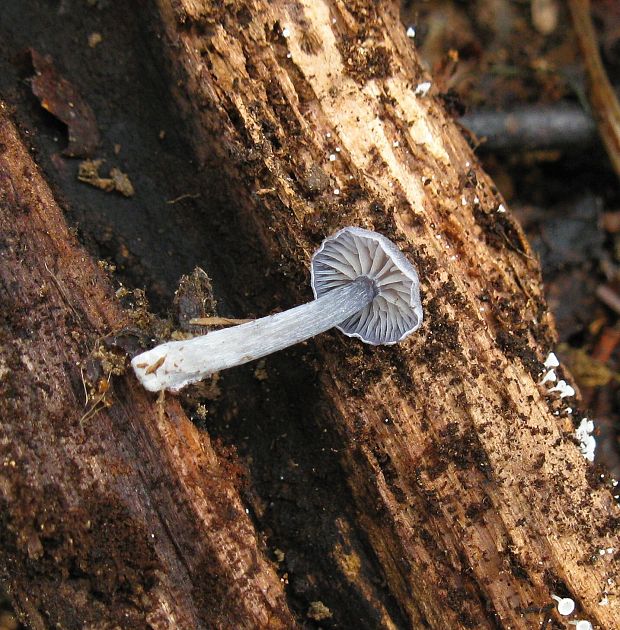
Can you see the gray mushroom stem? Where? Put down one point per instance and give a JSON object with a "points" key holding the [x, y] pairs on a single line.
{"points": [[175, 364]]}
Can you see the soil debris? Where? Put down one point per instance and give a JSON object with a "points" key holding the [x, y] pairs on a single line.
{"points": [[319, 611], [117, 181]]}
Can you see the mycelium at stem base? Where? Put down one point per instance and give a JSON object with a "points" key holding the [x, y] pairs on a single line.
{"points": [[175, 364]]}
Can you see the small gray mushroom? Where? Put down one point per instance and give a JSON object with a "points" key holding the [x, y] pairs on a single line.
{"points": [[363, 285]]}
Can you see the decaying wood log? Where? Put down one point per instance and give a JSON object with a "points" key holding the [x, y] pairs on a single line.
{"points": [[121, 518], [472, 500], [469, 485]]}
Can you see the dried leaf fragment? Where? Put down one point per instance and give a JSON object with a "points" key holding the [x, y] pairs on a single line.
{"points": [[60, 97]]}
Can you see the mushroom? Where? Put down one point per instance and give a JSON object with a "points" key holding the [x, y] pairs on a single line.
{"points": [[565, 605], [363, 285]]}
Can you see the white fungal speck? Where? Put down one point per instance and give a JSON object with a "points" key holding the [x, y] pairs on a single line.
{"points": [[332, 157], [566, 605], [328, 135], [336, 191], [581, 624], [551, 361], [587, 443], [549, 377], [286, 32], [288, 55], [337, 149], [396, 143], [563, 388], [422, 89], [501, 208], [604, 601], [411, 32]]}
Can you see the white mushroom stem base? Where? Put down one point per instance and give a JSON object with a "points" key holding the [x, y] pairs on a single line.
{"points": [[175, 364]]}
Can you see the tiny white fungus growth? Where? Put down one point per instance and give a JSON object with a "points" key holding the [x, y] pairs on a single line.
{"points": [[463, 200], [286, 32], [332, 157], [581, 624], [551, 361], [610, 550], [564, 389], [337, 149], [363, 285], [288, 55], [587, 442], [411, 32], [501, 208], [604, 601], [566, 605], [396, 143], [336, 191], [549, 377], [569, 410], [422, 89], [328, 135], [601, 552]]}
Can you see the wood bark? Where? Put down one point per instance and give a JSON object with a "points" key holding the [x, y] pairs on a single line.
{"points": [[473, 503], [121, 518]]}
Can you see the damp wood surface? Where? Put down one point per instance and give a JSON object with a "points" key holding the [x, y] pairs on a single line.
{"points": [[126, 516], [462, 500]]}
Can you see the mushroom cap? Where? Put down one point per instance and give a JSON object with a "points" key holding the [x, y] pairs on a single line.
{"points": [[352, 252]]}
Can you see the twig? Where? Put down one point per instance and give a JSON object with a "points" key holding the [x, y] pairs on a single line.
{"points": [[532, 128], [605, 106], [99, 402], [185, 196], [217, 321], [63, 292], [609, 297]]}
